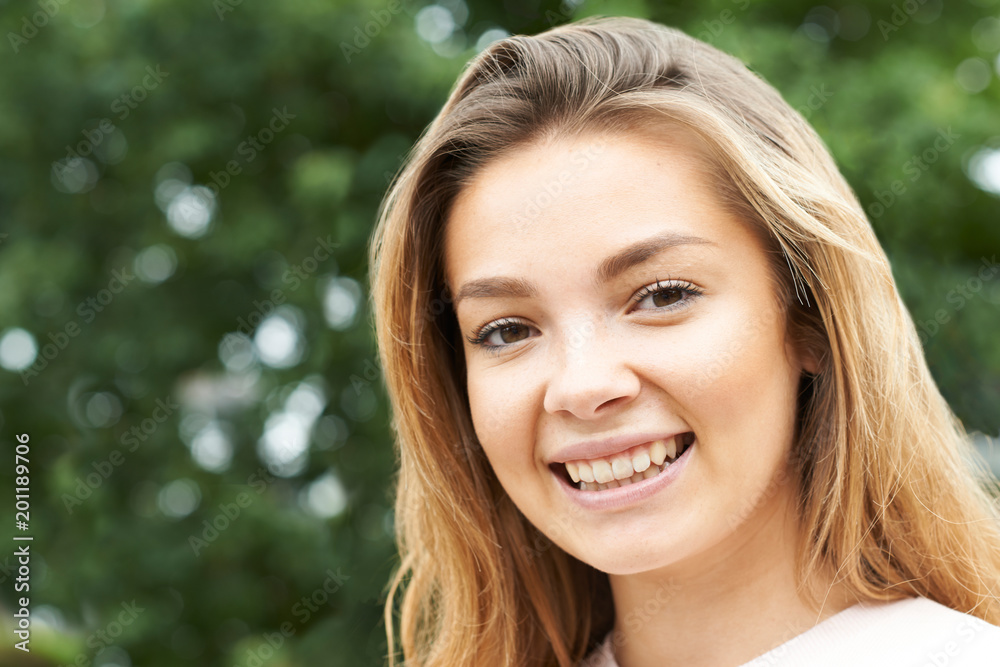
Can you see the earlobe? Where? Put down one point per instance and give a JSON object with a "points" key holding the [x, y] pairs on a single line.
{"points": [[810, 364], [807, 358]]}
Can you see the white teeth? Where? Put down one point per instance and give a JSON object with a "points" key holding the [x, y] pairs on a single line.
{"points": [[658, 452], [640, 461], [602, 472], [645, 462], [651, 471], [622, 467]]}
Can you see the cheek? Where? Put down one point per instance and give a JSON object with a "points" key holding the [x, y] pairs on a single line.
{"points": [[731, 347], [734, 385], [502, 420], [504, 423]]}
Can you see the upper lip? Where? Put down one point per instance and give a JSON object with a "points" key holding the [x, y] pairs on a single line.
{"points": [[607, 447]]}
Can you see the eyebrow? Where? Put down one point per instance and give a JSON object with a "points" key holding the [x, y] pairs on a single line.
{"points": [[610, 268]]}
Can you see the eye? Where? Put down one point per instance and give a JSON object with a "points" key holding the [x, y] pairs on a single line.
{"points": [[499, 334], [667, 295]]}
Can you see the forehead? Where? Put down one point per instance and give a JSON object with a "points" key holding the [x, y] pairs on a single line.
{"points": [[569, 198], [538, 176]]}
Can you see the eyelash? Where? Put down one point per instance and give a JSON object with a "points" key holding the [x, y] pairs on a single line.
{"points": [[478, 338]]}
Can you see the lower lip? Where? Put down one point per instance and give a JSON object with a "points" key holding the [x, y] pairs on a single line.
{"points": [[624, 496]]}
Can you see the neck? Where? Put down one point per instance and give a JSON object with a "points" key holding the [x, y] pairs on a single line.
{"points": [[727, 607]]}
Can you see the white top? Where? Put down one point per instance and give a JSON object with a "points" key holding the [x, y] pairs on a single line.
{"points": [[912, 632]]}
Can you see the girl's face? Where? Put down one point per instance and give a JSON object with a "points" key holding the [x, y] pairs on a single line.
{"points": [[623, 318]]}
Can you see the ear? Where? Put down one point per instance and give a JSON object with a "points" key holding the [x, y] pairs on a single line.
{"points": [[807, 357], [810, 364]]}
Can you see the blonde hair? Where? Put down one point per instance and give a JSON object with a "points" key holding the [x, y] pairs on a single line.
{"points": [[885, 474]]}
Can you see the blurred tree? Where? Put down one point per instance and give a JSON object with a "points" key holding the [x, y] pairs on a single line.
{"points": [[186, 194]]}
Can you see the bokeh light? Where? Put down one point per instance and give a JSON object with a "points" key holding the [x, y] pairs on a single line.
{"points": [[984, 169], [325, 497], [179, 498], [155, 263], [341, 298], [191, 210], [18, 349], [284, 445], [278, 340]]}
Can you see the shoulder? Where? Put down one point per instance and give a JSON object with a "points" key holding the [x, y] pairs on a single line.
{"points": [[912, 631]]}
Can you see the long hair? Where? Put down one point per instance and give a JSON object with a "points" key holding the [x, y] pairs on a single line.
{"points": [[890, 490]]}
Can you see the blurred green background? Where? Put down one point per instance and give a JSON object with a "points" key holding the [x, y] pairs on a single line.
{"points": [[186, 193]]}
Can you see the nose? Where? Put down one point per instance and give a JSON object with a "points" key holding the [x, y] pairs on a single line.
{"points": [[590, 374]]}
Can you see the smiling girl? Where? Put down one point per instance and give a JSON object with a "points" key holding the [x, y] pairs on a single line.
{"points": [[657, 400]]}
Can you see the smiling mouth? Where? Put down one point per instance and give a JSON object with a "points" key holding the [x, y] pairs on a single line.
{"points": [[630, 467]]}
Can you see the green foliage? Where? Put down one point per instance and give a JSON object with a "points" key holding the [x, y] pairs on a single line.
{"points": [[289, 230]]}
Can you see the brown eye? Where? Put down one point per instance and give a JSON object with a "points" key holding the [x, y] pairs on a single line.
{"points": [[666, 297], [508, 334], [499, 335]]}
